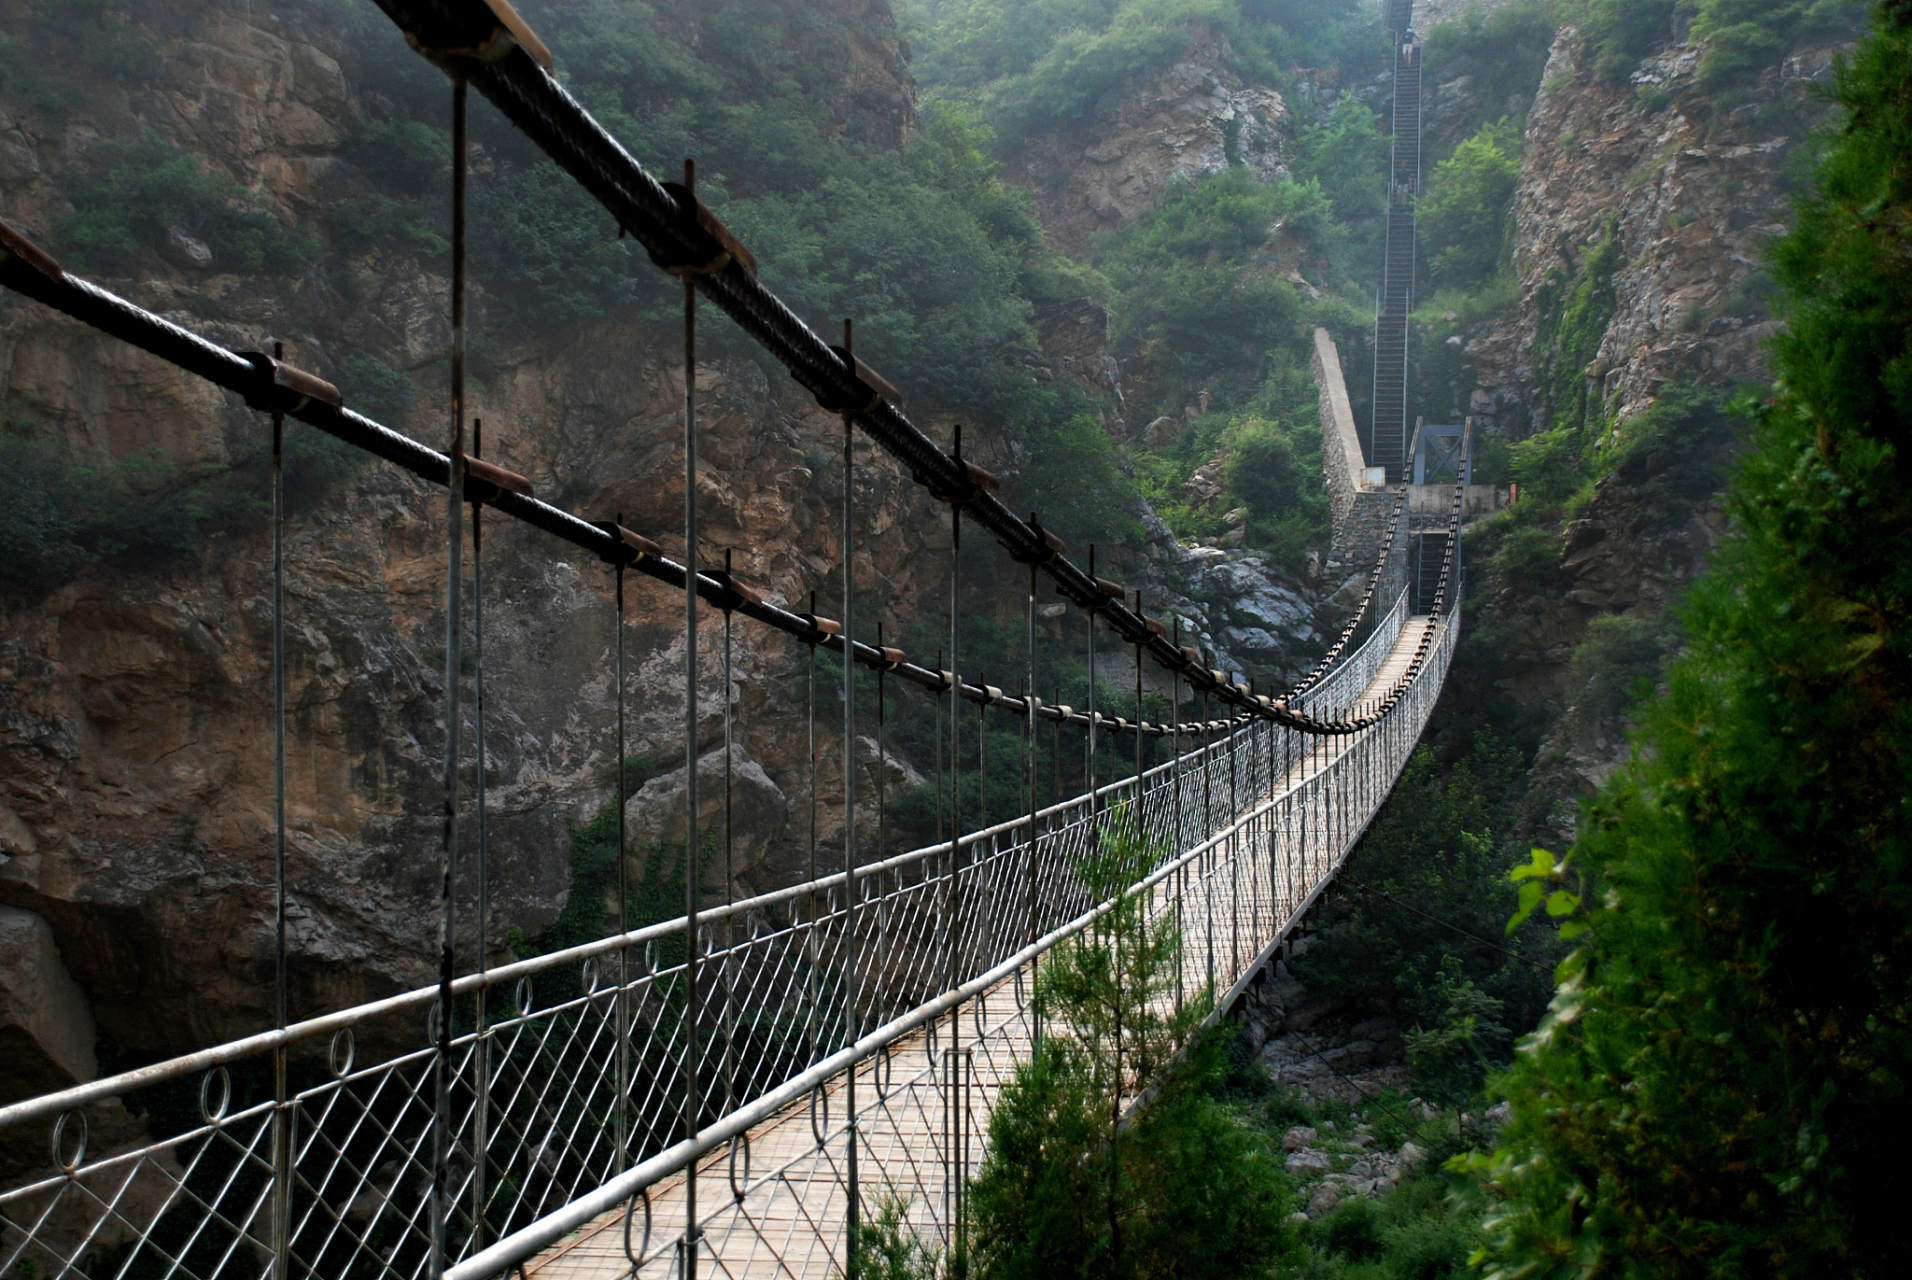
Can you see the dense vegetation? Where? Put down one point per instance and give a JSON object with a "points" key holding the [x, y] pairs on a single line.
{"points": [[1719, 1088], [1070, 1189]]}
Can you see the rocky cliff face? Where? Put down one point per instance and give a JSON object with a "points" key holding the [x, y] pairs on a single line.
{"points": [[135, 763], [135, 704], [1196, 118], [1671, 196]]}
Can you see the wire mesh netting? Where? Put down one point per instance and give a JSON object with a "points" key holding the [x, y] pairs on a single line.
{"points": [[176, 1170]]}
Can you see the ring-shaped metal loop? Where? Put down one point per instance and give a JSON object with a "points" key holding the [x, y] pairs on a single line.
{"points": [[650, 955], [207, 1111], [819, 1113], [1022, 999], [884, 1074], [737, 1141], [64, 1163], [982, 1032], [341, 1053], [522, 996], [431, 1023], [929, 1040], [643, 1194], [588, 977]]}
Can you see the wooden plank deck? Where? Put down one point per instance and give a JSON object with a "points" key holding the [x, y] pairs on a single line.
{"points": [[789, 1219]]}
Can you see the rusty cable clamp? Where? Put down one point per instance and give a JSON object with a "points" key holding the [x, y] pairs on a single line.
{"points": [[15, 247], [282, 388], [869, 390], [822, 626], [1047, 545], [735, 593], [488, 482], [1106, 592], [709, 246], [488, 32], [892, 657], [626, 547]]}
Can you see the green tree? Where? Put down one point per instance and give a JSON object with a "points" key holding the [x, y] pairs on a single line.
{"points": [[1618, 33], [1465, 218], [145, 189], [1720, 1086], [1072, 1186], [1348, 155], [1744, 37]]}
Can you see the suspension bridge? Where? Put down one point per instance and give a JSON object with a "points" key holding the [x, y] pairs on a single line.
{"points": [[729, 1091]]}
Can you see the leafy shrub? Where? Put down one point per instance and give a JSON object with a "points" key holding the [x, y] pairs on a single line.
{"points": [[1745, 37], [148, 187], [1264, 472], [1619, 33], [1028, 65], [1193, 1189], [550, 253], [1721, 1083], [1617, 662], [1073, 478], [1679, 449], [1464, 218], [1347, 155], [1352, 1229], [1416, 931], [1194, 308], [1546, 465], [408, 157], [138, 513], [378, 219], [1528, 559], [375, 389], [1502, 52]]}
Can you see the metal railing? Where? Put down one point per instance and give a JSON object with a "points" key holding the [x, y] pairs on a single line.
{"points": [[537, 1128]]}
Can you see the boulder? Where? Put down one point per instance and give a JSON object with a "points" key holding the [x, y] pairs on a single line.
{"points": [[1309, 1161], [46, 1021], [1325, 1198], [186, 250], [1297, 1138], [759, 810]]}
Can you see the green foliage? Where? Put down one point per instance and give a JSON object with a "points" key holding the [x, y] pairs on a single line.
{"points": [[1680, 449], [1352, 1230], [1027, 64], [1618, 33], [1276, 472], [1528, 558], [1503, 53], [550, 253], [1575, 306], [375, 389], [1068, 1189], [1719, 1088], [1415, 936], [1194, 307], [1347, 155], [408, 157], [887, 1249], [146, 187], [138, 512], [1745, 37], [1464, 218], [1460, 1036], [1073, 479]]}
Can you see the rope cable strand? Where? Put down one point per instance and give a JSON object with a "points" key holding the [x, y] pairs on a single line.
{"points": [[527, 94], [254, 379]]}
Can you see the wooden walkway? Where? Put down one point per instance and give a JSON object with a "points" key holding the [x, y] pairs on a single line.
{"points": [[778, 1209]]}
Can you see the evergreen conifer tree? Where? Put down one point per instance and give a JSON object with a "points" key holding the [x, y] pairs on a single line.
{"points": [[1719, 1088]]}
